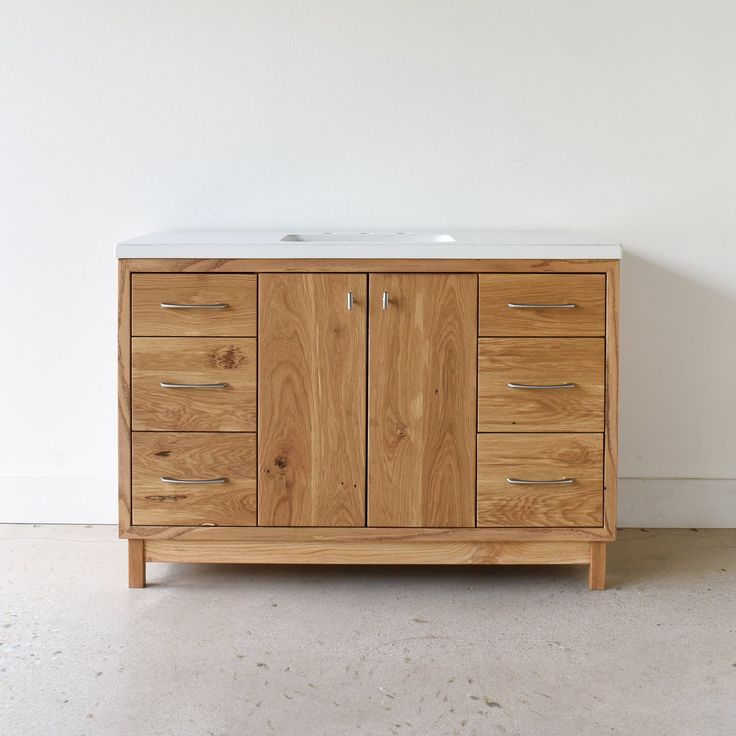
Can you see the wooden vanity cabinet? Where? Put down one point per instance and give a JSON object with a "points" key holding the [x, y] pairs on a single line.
{"points": [[368, 411]]}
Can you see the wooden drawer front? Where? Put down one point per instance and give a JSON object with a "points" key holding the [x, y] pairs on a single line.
{"points": [[194, 360], [195, 301], [194, 456], [546, 361], [535, 297], [535, 457]]}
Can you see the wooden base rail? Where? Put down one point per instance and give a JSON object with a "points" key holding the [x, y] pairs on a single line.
{"points": [[369, 552]]}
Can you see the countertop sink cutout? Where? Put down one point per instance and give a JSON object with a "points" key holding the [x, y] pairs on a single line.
{"points": [[367, 238]]}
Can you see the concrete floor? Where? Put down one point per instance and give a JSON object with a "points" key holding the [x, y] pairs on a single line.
{"points": [[229, 650]]}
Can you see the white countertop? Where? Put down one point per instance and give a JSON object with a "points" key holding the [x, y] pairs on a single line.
{"points": [[309, 244]]}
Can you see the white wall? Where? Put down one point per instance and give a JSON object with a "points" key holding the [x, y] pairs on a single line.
{"points": [[617, 118]]}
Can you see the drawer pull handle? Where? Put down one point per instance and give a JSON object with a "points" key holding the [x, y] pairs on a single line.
{"points": [[384, 300], [165, 305], [193, 481], [522, 482], [540, 386], [350, 300], [542, 306], [164, 384]]}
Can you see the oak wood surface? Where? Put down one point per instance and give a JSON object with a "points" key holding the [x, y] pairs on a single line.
{"points": [[194, 455], [597, 569], [359, 534], [230, 360], [540, 457], [278, 535], [541, 361], [136, 563], [611, 424], [371, 553], [369, 265], [312, 400], [586, 291], [422, 388], [238, 291], [124, 400]]}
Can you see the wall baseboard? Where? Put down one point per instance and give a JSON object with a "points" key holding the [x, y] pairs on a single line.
{"points": [[677, 502], [58, 499], [643, 502]]}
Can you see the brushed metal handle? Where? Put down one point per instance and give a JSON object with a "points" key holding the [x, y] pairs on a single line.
{"points": [[522, 482], [541, 386], [168, 305], [193, 481], [350, 300], [384, 300], [541, 306], [165, 384]]}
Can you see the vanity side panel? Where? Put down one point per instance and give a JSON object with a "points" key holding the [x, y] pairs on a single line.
{"points": [[124, 399], [610, 465]]}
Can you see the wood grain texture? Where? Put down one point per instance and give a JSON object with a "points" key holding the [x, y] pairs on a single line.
{"points": [[369, 265], [238, 291], [194, 455], [136, 563], [124, 400], [422, 387], [277, 534], [312, 400], [194, 360], [597, 569], [371, 553], [610, 474], [549, 360], [540, 457], [586, 291]]}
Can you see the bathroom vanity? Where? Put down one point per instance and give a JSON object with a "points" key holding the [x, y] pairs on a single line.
{"points": [[368, 398]]}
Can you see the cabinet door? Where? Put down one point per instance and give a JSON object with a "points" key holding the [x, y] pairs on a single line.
{"points": [[311, 399], [422, 397]]}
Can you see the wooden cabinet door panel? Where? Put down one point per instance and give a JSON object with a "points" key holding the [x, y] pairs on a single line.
{"points": [[312, 399], [422, 400]]}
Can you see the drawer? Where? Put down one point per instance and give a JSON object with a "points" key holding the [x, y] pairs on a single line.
{"points": [[227, 461], [517, 305], [575, 458], [194, 304], [191, 364], [546, 363]]}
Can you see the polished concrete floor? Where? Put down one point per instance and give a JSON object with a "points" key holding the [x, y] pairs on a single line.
{"points": [[243, 651]]}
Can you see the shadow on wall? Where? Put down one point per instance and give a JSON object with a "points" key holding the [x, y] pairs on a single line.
{"points": [[678, 404]]}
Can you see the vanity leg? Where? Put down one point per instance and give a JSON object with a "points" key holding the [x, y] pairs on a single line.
{"points": [[597, 569], [136, 563]]}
